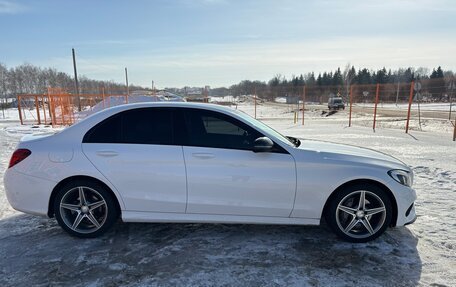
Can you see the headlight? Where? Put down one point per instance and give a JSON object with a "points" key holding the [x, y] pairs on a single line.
{"points": [[401, 176]]}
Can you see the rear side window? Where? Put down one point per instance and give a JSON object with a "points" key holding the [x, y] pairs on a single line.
{"points": [[147, 126], [138, 126], [108, 131]]}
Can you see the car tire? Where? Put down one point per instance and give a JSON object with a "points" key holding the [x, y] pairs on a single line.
{"points": [[85, 209], [359, 213]]}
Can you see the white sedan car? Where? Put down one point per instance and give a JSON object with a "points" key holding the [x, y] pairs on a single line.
{"points": [[183, 162]]}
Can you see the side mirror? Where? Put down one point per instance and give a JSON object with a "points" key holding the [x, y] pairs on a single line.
{"points": [[262, 144]]}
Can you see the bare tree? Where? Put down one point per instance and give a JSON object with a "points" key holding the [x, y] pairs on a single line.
{"points": [[348, 77]]}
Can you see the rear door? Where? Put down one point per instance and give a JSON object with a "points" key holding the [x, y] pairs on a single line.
{"points": [[135, 150]]}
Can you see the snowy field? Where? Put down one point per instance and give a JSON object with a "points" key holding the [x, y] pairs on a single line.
{"points": [[36, 251]]}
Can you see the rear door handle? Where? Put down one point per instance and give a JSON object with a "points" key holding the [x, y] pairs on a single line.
{"points": [[107, 153], [203, 155]]}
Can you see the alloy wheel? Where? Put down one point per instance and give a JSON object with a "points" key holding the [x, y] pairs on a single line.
{"points": [[83, 209], [360, 214]]}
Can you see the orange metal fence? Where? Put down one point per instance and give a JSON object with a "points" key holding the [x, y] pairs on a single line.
{"points": [[408, 106], [60, 108]]}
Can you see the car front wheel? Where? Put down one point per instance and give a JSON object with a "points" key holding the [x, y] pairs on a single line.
{"points": [[360, 213], [85, 209]]}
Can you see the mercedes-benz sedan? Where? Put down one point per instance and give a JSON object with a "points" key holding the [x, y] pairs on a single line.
{"points": [[183, 162]]}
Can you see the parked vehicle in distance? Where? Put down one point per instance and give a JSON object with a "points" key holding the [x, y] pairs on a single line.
{"points": [[336, 103], [187, 162]]}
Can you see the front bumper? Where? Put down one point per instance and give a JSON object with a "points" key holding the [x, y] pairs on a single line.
{"points": [[26, 193], [405, 199]]}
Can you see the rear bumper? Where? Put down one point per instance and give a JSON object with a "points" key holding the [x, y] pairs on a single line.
{"points": [[26, 193]]}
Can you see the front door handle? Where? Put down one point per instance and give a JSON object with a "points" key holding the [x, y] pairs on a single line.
{"points": [[107, 153], [203, 155]]}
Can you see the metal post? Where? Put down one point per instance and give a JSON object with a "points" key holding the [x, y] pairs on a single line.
{"points": [[62, 115], [419, 109], [37, 110], [375, 108], [103, 96], [452, 86], [409, 106], [255, 98], [454, 131], [76, 83], [128, 88], [44, 109], [19, 108], [449, 116], [51, 108], [351, 103], [303, 102], [4, 102]]}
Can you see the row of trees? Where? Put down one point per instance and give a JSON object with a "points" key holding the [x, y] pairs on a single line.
{"points": [[30, 79], [436, 83]]}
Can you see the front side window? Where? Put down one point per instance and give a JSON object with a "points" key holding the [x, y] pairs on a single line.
{"points": [[212, 129], [137, 126]]}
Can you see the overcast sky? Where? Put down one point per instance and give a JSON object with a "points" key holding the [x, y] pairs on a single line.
{"points": [[221, 42]]}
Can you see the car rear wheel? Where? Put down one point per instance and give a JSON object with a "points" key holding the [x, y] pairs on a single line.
{"points": [[359, 213], [85, 209]]}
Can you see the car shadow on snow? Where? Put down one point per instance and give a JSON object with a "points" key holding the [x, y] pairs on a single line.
{"points": [[35, 250]]}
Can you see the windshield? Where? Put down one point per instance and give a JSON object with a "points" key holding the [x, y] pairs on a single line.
{"points": [[261, 126]]}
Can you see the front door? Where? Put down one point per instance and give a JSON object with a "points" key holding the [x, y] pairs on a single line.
{"points": [[226, 177]]}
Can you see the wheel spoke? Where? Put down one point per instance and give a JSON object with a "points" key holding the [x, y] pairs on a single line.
{"points": [[78, 220], [362, 200], [351, 225], [368, 226], [72, 207], [93, 219], [82, 198], [95, 205], [373, 211], [347, 209]]}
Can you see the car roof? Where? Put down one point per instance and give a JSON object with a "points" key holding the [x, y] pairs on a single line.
{"points": [[207, 106]]}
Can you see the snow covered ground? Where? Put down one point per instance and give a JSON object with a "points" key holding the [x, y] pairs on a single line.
{"points": [[35, 250]]}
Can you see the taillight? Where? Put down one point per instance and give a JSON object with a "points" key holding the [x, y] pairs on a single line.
{"points": [[18, 156]]}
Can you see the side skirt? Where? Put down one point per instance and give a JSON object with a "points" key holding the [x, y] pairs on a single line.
{"points": [[138, 216]]}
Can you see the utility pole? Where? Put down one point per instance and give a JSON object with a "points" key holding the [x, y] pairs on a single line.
{"points": [[126, 81], [76, 83]]}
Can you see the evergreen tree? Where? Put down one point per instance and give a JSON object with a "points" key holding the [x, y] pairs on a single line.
{"points": [[437, 84], [337, 78], [319, 80]]}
